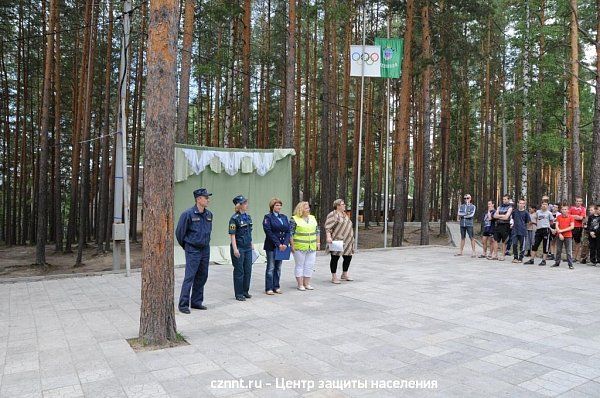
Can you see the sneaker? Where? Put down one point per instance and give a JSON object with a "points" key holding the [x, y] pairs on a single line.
{"points": [[542, 263], [571, 266], [515, 261], [247, 295], [550, 256], [301, 288], [240, 298], [555, 265], [529, 262], [309, 287], [269, 292], [278, 291]]}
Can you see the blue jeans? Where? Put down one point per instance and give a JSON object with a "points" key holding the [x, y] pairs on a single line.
{"points": [[196, 274], [242, 271], [273, 272]]}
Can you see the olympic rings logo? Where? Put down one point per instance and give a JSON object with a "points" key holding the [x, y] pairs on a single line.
{"points": [[367, 58]]}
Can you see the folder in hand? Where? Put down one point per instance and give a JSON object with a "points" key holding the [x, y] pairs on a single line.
{"points": [[282, 255]]}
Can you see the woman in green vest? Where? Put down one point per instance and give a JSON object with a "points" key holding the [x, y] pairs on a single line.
{"points": [[305, 243]]}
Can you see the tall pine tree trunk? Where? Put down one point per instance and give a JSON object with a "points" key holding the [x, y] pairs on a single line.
{"points": [[186, 66], [426, 83], [577, 186], [594, 178], [58, 220], [290, 70], [42, 216], [245, 115], [445, 115], [157, 313], [402, 135], [324, 172], [86, 125], [104, 141]]}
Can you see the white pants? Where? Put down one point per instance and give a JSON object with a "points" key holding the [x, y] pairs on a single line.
{"points": [[305, 263]]}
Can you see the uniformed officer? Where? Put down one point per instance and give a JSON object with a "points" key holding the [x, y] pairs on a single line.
{"points": [[193, 234], [240, 233]]}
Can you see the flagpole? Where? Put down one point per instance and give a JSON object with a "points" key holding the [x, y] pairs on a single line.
{"points": [[387, 149], [360, 128]]}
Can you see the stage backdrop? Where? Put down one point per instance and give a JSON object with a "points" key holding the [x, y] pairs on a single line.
{"points": [[258, 174]]}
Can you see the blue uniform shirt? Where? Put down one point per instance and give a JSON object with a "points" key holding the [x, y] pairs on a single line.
{"points": [[194, 228], [241, 225]]}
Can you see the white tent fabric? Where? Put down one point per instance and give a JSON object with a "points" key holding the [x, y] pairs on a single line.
{"points": [[231, 161]]}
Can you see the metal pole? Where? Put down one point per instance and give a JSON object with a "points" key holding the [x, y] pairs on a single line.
{"points": [[362, 94], [387, 148], [120, 220]]}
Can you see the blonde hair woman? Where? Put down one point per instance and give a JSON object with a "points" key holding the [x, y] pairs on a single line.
{"points": [[305, 243], [338, 226]]}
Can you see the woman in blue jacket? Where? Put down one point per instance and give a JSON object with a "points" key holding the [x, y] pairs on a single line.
{"points": [[277, 237]]}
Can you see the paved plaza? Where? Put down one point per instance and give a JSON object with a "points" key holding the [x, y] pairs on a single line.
{"points": [[477, 328]]}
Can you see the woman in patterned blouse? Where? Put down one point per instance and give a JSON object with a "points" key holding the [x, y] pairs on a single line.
{"points": [[338, 226]]}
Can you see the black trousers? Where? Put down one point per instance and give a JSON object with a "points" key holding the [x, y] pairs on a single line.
{"points": [[333, 263], [594, 249]]}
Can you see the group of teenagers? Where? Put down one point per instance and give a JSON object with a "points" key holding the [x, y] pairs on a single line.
{"points": [[298, 236], [554, 227]]}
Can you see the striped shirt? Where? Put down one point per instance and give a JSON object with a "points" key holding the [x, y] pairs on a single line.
{"points": [[339, 226]]}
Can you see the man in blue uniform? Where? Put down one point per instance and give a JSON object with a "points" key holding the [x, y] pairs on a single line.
{"points": [[240, 233], [193, 234]]}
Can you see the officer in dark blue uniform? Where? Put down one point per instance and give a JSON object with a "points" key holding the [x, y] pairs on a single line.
{"points": [[240, 233], [193, 234]]}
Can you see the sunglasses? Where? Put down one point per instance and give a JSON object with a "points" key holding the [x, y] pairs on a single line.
{"points": [[467, 197]]}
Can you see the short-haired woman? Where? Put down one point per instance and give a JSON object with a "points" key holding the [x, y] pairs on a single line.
{"points": [[277, 237], [338, 226], [305, 243]]}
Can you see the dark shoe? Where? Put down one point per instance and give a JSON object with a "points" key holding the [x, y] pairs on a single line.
{"points": [[199, 307], [571, 266], [542, 263], [529, 262], [184, 310], [247, 295], [240, 298], [528, 254], [555, 265], [550, 256], [584, 261]]}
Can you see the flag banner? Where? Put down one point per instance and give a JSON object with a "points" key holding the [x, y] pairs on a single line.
{"points": [[391, 56], [365, 62]]}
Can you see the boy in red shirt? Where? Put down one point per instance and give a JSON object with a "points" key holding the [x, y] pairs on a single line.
{"points": [[578, 213], [565, 223]]}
